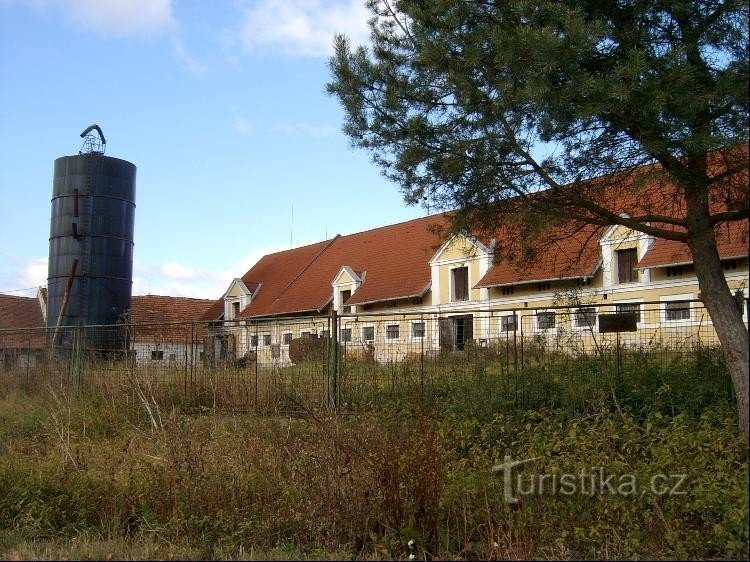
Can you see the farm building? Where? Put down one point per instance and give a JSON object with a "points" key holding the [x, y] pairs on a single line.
{"points": [[22, 332], [416, 284], [160, 329]]}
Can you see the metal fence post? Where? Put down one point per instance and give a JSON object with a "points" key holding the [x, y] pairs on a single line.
{"points": [[333, 363]]}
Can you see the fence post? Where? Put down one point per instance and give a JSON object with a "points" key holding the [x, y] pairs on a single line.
{"points": [[333, 363]]}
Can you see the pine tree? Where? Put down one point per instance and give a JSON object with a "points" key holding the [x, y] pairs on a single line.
{"points": [[502, 109]]}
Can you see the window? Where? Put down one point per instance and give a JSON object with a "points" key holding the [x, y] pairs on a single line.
{"points": [[729, 265], [507, 290], [287, 338], [545, 320], [157, 355], [368, 333], [391, 332], [305, 334], [676, 310], [508, 323], [674, 271], [543, 287], [266, 339], [345, 296], [585, 317], [172, 357], [417, 329], [630, 308], [345, 334], [626, 262], [325, 333], [235, 309], [460, 283], [253, 341]]}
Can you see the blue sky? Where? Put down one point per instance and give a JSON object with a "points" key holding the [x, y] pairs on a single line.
{"points": [[222, 107]]}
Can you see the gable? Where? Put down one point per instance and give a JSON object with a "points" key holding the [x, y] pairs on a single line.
{"points": [[237, 289], [346, 277], [458, 247]]}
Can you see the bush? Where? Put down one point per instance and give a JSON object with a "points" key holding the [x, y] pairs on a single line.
{"points": [[308, 348]]}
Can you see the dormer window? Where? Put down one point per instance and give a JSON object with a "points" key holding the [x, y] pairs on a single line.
{"points": [[626, 265], [460, 277], [235, 309], [345, 296]]}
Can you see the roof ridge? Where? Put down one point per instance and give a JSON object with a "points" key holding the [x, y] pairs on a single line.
{"points": [[441, 214], [312, 261]]}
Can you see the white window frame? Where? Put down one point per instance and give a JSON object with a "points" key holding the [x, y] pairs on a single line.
{"points": [[283, 335], [674, 298], [411, 330], [500, 323], [552, 330], [574, 317], [452, 282], [641, 311], [349, 327], [362, 332], [396, 339], [262, 337]]}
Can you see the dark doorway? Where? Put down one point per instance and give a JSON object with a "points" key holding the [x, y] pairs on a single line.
{"points": [[455, 331]]}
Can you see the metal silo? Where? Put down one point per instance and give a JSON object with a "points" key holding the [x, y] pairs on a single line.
{"points": [[91, 245]]}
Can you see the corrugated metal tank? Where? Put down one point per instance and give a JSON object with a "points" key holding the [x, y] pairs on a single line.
{"points": [[93, 211]]}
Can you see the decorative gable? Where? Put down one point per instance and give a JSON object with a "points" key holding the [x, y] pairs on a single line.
{"points": [[237, 298], [622, 248], [345, 284]]}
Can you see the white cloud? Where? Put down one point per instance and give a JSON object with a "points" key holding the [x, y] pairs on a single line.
{"points": [[171, 278], [184, 57], [303, 27], [121, 17]]}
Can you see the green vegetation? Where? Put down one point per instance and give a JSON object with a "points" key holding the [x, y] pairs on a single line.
{"points": [[95, 473]]}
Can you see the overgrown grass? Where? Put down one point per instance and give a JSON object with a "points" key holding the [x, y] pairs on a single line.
{"points": [[134, 470]]}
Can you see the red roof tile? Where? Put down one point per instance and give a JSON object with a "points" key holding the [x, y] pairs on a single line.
{"points": [[18, 315], [731, 239], [388, 275], [167, 319], [575, 255]]}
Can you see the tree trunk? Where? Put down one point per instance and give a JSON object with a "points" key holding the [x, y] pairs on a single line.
{"points": [[725, 315]]}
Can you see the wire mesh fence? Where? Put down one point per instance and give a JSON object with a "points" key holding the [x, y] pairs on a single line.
{"points": [[518, 357]]}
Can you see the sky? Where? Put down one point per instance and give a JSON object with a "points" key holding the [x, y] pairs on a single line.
{"points": [[220, 104]]}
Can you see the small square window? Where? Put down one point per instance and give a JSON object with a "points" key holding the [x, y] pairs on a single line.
{"points": [[157, 355], [368, 333], [305, 334], [677, 310], [253, 341], [630, 308], [345, 334], [508, 323], [287, 338], [417, 329], [545, 320], [391, 332], [585, 317], [266, 339]]}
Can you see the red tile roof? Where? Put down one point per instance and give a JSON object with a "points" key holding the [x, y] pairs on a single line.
{"points": [[731, 239], [575, 255], [18, 315], [389, 275], [394, 260], [167, 319]]}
